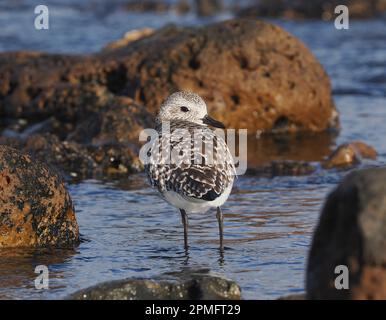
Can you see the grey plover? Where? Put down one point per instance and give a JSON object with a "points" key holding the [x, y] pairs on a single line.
{"points": [[198, 171]]}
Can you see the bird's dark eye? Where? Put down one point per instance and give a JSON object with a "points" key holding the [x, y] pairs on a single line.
{"points": [[184, 109]]}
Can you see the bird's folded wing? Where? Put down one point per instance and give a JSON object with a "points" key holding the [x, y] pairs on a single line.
{"points": [[206, 183], [207, 173]]}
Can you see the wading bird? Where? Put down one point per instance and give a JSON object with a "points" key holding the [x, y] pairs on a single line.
{"points": [[197, 172]]}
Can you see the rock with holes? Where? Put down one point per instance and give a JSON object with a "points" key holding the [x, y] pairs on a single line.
{"points": [[252, 74], [349, 154], [35, 207], [130, 36], [351, 233], [185, 285], [102, 144], [76, 161]]}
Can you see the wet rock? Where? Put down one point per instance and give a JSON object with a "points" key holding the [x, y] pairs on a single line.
{"points": [[118, 122], [349, 154], [182, 7], [293, 297], [208, 7], [128, 38], [35, 207], [252, 74], [192, 286], [351, 232], [36, 86], [317, 9], [291, 168], [284, 168], [77, 161], [103, 143], [115, 160], [70, 158], [300, 148]]}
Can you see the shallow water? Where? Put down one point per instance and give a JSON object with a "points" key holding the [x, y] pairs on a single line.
{"points": [[129, 232]]}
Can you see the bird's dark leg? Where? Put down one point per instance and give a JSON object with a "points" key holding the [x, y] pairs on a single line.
{"points": [[184, 217], [220, 219]]}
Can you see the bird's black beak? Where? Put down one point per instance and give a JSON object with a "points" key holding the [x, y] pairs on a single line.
{"points": [[212, 122]]}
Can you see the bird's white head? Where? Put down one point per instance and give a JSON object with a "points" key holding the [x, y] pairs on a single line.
{"points": [[186, 106]]}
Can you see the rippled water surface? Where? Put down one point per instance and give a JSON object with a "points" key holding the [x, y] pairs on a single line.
{"points": [[129, 232]]}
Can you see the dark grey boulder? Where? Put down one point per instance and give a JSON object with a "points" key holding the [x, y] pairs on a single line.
{"points": [[186, 285], [351, 232]]}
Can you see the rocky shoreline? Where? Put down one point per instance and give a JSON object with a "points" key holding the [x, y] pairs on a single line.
{"points": [[81, 115], [291, 10], [350, 234]]}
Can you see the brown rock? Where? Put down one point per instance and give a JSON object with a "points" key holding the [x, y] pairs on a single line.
{"points": [[77, 161], [252, 74], [208, 7], [284, 168], [119, 121], [37, 85], [182, 7], [349, 154], [351, 232], [35, 207], [129, 37], [103, 143], [73, 160]]}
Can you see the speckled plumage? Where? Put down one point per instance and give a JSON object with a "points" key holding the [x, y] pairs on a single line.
{"points": [[201, 179], [212, 170]]}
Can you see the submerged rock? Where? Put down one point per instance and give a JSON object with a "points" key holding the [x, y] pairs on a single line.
{"points": [[349, 154], [351, 232], [300, 150], [284, 168], [184, 286], [35, 207]]}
